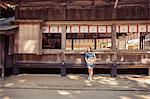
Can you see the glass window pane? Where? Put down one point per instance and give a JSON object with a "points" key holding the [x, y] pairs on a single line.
{"points": [[147, 41], [68, 44], [51, 41], [103, 43], [80, 41], [81, 44], [129, 41]]}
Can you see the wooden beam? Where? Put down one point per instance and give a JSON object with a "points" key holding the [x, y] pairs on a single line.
{"points": [[36, 3], [116, 3], [120, 22], [28, 21], [132, 5]]}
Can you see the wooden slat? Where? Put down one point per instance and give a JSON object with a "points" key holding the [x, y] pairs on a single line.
{"points": [[29, 38]]}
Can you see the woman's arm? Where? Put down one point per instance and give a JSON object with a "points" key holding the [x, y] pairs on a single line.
{"points": [[94, 58], [86, 58]]}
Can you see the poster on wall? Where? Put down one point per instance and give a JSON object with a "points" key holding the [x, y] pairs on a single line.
{"points": [[93, 29], [133, 44], [51, 29], [102, 29], [45, 29], [84, 29]]}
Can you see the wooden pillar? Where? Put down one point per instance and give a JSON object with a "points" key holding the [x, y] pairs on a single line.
{"points": [[114, 47], [149, 71], [63, 37], [1, 62], [15, 70], [40, 39], [114, 65], [15, 67], [63, 47], [2, 56], [17, 11]]}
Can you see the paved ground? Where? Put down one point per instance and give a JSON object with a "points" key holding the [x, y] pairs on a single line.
{"points": [[36, 86], [72, 94]]}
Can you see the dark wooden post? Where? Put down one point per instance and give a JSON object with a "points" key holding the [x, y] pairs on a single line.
{"points": [[15, 67], [114, 47], [2, 56], [63, 47], [149, 71], [114, 65], [17, 11]]}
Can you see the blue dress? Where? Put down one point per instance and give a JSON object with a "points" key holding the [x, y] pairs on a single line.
{"points": [[87, 56]]}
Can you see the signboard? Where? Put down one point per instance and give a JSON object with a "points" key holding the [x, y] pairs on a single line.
{"points": [[45, 29], [84, 29], [109, 29], [133, 28], [93, 29], [148, 27], [102, 29], [142, 28], [53, 29], [97, 29], [74, 29], [124, 29]]}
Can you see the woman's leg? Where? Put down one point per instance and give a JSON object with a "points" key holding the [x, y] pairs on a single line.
{"points": [[90, 72]]}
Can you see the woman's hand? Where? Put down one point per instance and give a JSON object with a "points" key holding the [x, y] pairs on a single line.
{"points": [[91, 60]]}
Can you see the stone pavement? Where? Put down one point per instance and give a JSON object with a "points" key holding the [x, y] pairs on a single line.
{"points": [[77, 82]]}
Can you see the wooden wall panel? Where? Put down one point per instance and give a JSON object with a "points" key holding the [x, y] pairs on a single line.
{"points": [[50, 13], [16, 41], [132, 13], [29, 36], [80, 13], [89, 14]]}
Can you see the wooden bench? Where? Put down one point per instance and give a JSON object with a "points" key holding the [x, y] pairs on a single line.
{"points": [[64, 66]]}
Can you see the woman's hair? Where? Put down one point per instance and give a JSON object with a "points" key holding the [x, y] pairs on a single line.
{"points": [[90, 48]]}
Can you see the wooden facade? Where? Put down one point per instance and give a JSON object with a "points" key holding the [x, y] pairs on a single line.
{"points": [[76, 11], [63, 58], [36, 18], [83, 10]]}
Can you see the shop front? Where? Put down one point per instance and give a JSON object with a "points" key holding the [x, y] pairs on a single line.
{"points": [[62, 44]]}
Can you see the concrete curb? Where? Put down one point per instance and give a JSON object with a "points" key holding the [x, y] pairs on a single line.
{"points": [[79, 88]]}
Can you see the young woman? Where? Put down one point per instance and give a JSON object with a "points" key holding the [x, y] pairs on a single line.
{"points": [[90, 58]]}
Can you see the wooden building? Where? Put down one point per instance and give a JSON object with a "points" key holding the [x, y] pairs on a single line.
{"points": [[56, 33]]}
